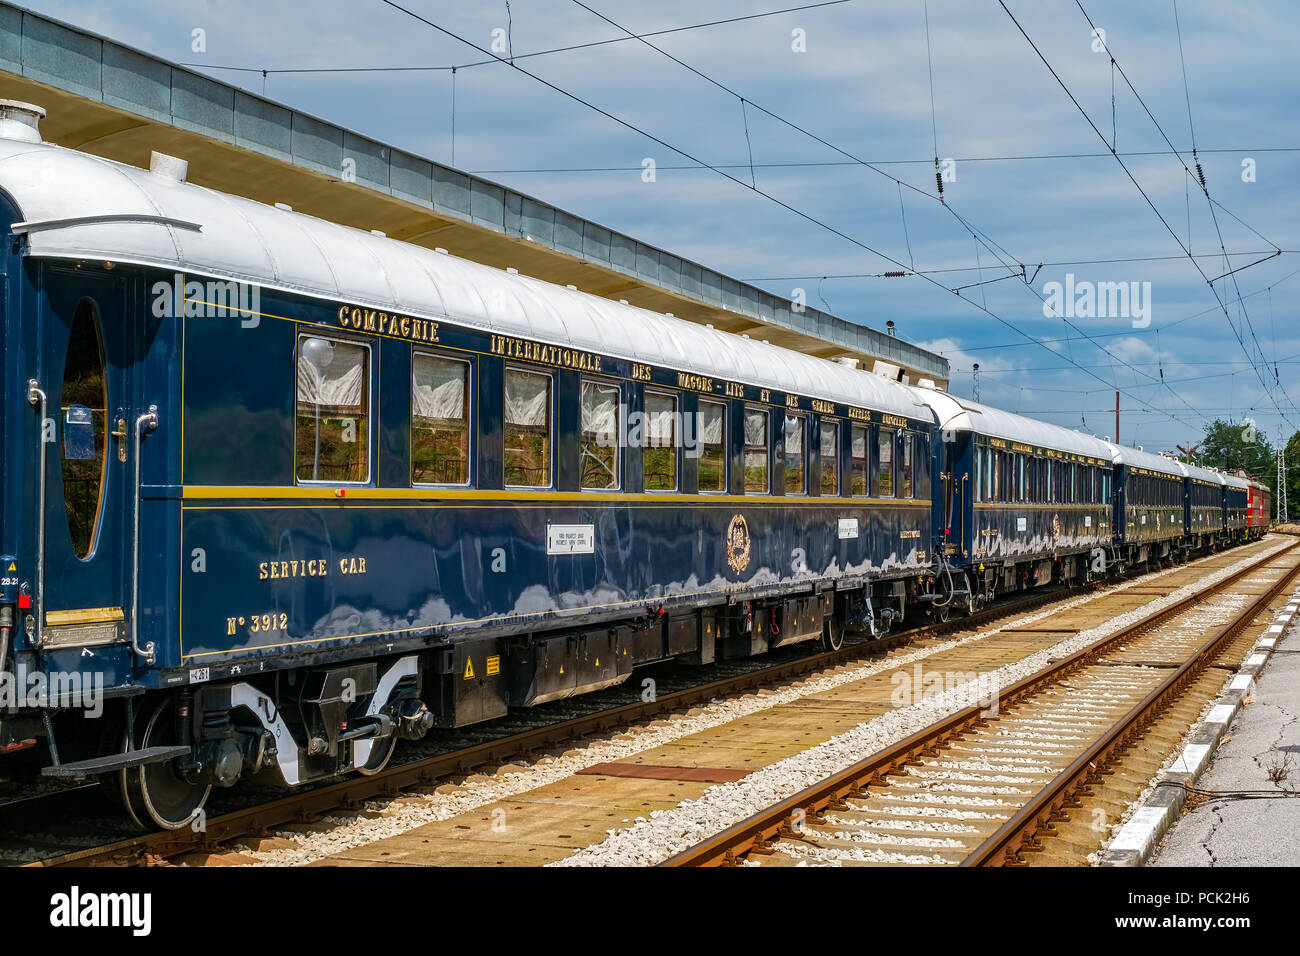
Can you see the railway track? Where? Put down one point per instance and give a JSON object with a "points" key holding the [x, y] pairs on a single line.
{"points": [[350, 794], [993, 785]]}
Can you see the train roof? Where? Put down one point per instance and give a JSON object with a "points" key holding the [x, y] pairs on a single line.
{"points": [[84, 207], [1235, 481], [1137, 458], [960, 414], [1203, 474]]}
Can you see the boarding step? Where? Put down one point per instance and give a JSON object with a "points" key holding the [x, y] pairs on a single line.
{"points": [[82, 769]]}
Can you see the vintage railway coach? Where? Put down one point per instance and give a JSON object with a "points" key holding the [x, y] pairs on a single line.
{"points": [[1150, 508], [1018, 502], [1236, 495], [1205, 516], [294, 491]]}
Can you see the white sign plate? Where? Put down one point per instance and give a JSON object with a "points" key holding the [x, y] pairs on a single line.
{"points": [[848, 529], [570, 539], [1022, 524]]}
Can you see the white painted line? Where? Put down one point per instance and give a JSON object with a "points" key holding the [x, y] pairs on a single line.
{"points": [[1241, 682], [1190, 760], [1255, 660], [1140, 829], [1219, 714]]}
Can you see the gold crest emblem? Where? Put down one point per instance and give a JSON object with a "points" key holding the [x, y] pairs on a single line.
{"points": [[738, 544]]}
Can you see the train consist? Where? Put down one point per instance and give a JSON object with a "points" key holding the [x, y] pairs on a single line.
{"points": [[281, 493]]}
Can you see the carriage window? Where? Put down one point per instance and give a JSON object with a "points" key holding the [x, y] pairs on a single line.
{"points": [[755, 451], [858, 460], [333, 421], [884, 463], [713, 447], [795, 457], [84, 407], [600, 436], [830, 458], [439, 420], [527, 429], [660, 456], [905, 488]]}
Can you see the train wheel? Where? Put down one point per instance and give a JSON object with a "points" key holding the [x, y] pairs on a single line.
{"points": [[832, 633], [156, 795]]}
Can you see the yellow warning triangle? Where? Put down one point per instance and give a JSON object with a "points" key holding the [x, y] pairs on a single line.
{"points": [[469, 668], [597, 661], [13, 566]]}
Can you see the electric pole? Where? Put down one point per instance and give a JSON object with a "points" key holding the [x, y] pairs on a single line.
{"points": [[1281, 479], [975, 389]]}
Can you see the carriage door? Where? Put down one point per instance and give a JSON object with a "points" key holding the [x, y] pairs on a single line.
{"points": [[88, 448]]}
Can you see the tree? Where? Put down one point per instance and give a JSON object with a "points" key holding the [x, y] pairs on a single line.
{"points": [[1230, 446]]}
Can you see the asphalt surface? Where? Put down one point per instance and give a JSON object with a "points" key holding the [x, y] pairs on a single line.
{"points": [[1264, 739]]}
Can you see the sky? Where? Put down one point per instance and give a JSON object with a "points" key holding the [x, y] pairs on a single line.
{"points": [[812, 215]]}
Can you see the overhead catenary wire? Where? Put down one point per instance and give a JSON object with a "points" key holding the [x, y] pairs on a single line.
{"points": [[1083, 112], [768, 196]]}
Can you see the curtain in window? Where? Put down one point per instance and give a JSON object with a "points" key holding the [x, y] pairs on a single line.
{"points": [[339, 384], [438, 388], [528, 399]]}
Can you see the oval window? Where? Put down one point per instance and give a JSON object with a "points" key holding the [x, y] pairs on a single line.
{"points": [[83, 418]]}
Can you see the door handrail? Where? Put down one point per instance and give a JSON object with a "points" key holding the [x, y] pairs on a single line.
{"points": [[36, 397], [143, 424]]}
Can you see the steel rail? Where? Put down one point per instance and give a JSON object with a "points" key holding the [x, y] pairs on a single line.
{"points": [[756, 831], [1020, 832], [350, 793]]}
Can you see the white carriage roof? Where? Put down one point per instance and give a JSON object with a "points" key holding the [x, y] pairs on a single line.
{"points": [[1236, 481], [114, 211], [1137, 458], [1204, 474], [961, 414]]}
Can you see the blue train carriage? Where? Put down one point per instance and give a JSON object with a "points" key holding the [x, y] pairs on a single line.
{"points": [[1206, 514], [290, 491], [1150, 507], [1236, 495], [1018, 502]]}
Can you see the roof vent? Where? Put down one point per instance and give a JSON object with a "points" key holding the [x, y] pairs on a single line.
{"points": [[20, 121], [169, 167], [622, 301], [379, 232], [925, 383], [888, 370], [847, 362], [512, 270], [285, 206], [572, 288], [440, 250]]}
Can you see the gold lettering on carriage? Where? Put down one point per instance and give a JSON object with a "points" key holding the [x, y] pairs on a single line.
{"points": [[508, 347], [275, 570], [696, 383], [894, 420], [401, 326]]}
